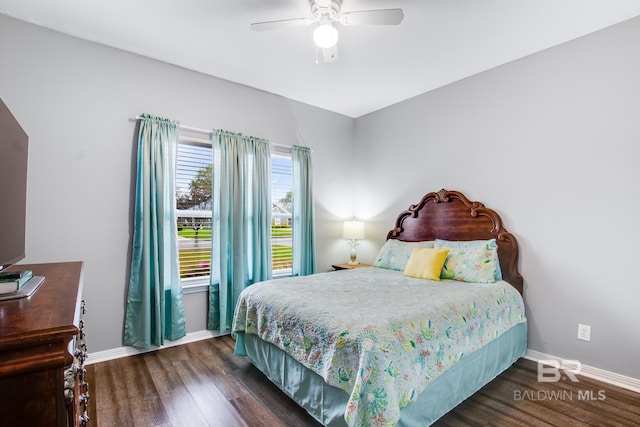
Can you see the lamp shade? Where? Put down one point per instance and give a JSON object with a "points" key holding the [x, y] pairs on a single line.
{"points": [[353, 230], [325, 36]]}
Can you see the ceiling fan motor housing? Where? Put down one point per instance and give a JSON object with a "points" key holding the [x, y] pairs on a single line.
{"points": [[329, 8]]}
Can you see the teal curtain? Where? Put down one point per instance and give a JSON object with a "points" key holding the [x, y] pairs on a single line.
{"points": [[304, 254], [241, 252], [154, 299]]}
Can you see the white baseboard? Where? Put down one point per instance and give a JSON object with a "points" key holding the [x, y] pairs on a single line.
{"points": [[608, 377], [116, 353]]}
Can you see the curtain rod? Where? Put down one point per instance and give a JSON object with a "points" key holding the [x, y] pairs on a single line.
{"points": [[133, 119]]}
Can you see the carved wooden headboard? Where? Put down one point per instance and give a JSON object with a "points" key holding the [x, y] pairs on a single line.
{"points": [[449, 215]]}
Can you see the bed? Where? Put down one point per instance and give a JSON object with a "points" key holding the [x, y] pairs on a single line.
{"points": [[397, 343]]}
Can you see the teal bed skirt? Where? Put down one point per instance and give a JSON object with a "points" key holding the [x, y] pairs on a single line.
{"points": [[327, 404]]}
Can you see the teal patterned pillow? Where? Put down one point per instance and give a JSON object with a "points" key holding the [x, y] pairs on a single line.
{"points": [[471, 261], [395, 254]]}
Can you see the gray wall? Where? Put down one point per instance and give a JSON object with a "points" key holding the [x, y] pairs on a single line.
{"points": [[74, 99], [552, 142]]}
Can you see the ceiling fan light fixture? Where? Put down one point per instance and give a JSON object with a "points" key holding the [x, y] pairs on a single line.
{"points": [[325, 36]]}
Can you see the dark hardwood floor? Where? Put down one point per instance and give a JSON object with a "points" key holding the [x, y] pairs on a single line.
{"points": [[205, 384]]}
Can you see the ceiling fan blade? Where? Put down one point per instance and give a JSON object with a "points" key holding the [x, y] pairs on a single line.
{"points": [[373, 17], [283, 23]]}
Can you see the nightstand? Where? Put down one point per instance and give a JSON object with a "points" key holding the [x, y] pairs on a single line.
{"points": [[347, 266]]}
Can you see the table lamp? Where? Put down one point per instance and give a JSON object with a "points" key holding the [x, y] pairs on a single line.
{"points": [[354, 231]]}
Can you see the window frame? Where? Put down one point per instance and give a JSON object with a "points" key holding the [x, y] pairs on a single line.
{"points": [[201, 139], [282, 152]]}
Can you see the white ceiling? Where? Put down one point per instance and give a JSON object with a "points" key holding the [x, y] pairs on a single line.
{"points": [[439, 41]]}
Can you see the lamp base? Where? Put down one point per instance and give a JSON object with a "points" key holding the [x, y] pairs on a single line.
{"points": [[353, 257]]}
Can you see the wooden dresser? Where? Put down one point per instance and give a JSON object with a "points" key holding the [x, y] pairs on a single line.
{"points": [[39, 340]]}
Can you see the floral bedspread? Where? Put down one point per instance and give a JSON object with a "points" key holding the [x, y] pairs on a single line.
{"points": [[376, 334]]}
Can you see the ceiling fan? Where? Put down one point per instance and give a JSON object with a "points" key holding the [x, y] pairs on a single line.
{"points": [[326, 13]]}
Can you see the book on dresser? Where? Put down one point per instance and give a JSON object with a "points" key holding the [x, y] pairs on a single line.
{"points": [[14, 281]]}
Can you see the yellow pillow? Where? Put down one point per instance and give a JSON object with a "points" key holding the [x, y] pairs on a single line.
{"points": [[426, 263]]}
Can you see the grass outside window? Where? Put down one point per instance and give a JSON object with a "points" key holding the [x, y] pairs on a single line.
{"points": [[195, 254]]}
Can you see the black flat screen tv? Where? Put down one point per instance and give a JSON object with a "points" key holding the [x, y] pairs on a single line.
{"points": [[13, 188]]}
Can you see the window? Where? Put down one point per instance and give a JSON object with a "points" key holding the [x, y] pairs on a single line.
{"points": [[193, 204], [281, 235]]}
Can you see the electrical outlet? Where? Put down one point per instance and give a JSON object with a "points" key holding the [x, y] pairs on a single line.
{"points": [[584, 332]]}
